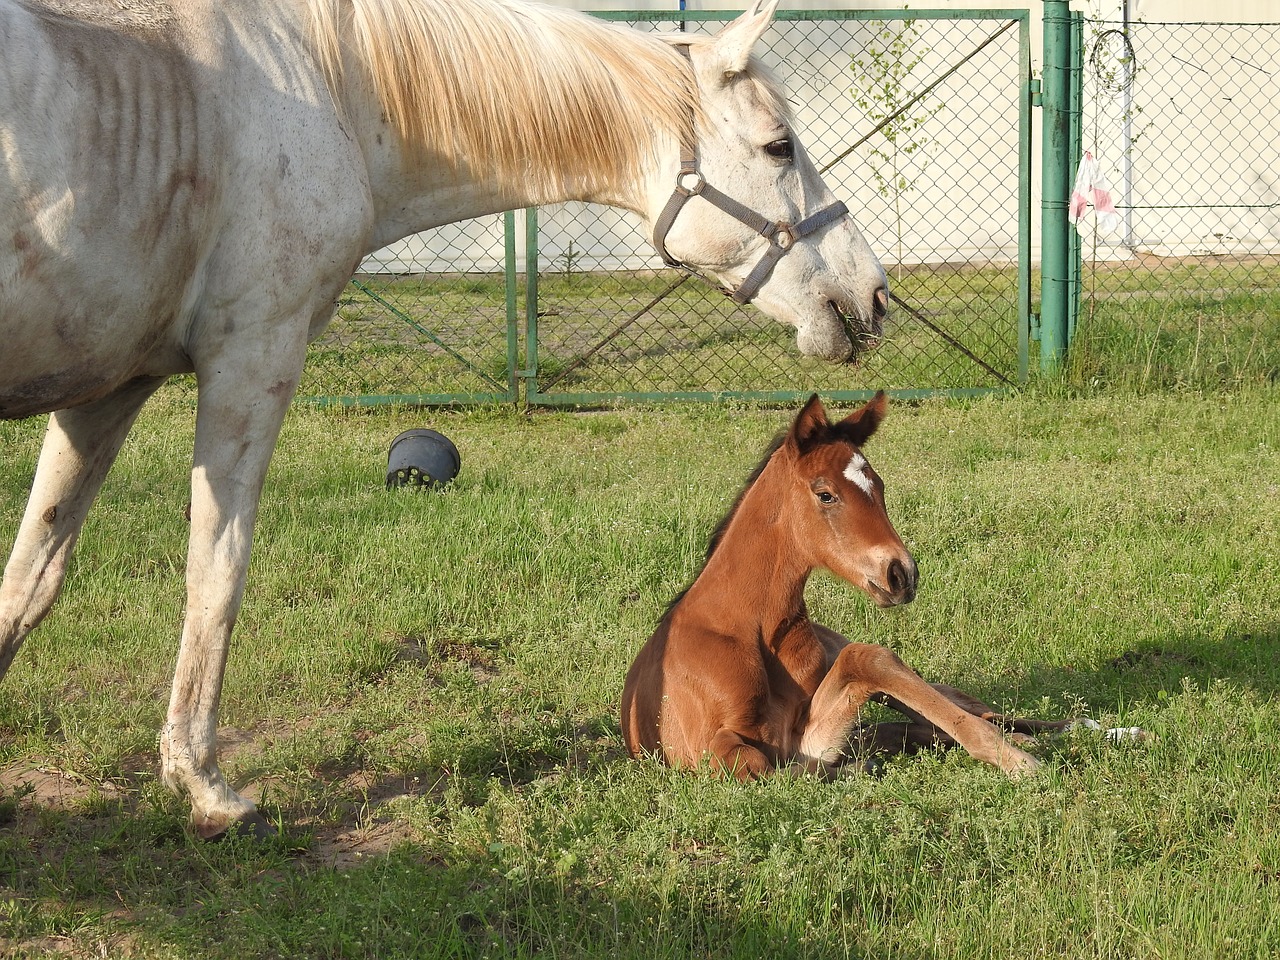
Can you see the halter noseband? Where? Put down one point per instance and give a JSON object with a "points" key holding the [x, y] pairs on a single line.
{"points": [[781, 236]]}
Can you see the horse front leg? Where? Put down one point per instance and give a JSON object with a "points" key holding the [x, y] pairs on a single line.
{"points": [[917, 733], [1022, 726], [237, 424], [861, 670], [80, 445]]}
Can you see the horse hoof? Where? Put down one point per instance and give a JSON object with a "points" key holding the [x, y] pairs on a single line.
{"points": [[1024, 765], [252, 826], [872, 766], [1129, 734]]}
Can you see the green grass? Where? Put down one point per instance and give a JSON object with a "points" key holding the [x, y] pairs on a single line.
{"points": [[1210, 342], [1146, 324], [604, 334], [423, 690]]}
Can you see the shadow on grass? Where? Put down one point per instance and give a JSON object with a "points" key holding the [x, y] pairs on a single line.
{"points": [[1248, 659], [118, 875], [119, 881]]}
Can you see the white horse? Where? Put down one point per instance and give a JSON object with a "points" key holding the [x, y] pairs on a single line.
{"points": [[186, 186]]}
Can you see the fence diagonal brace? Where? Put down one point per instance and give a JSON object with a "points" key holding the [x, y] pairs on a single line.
{"points": [[401, 315], [952, 341]]}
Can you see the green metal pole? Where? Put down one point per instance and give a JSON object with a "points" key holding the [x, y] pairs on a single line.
{"points": [[1055, 168], [1074, 145], [1030, 97], [530, 371], [509, 250]]}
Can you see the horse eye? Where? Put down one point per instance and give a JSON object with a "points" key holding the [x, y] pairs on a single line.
{"points": [[826, 496], [781, 149]]}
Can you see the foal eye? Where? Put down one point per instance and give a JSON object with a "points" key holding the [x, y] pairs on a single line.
{"points": [[781, 149], [826, 496]]}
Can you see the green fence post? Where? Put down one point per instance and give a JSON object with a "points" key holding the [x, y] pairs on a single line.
{"points": [[1029, 98], [1055, 167], [530, 371], [1075, 144], [509, 269]]}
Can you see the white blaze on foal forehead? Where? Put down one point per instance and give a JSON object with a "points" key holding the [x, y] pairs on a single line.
{"points": [[856, 471]]}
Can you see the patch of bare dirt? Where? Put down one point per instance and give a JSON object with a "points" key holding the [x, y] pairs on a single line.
{"points": [[374, 823], [47, 786]]}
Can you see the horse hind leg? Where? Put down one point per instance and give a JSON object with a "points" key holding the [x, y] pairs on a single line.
{"points": [[79, 448], [862, 670]]}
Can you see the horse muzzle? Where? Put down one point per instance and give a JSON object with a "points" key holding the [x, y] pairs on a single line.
{"points": [[896, 583], [863, 325]]}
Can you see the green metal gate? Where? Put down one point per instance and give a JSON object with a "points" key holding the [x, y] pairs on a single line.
{"points": [[910, 114]]}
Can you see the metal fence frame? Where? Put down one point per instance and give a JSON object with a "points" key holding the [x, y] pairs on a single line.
{"points": [[1195, 254]]}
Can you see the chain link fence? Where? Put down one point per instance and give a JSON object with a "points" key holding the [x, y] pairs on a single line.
{"points": [[438, 335], [920, 123], [1184, 120]]}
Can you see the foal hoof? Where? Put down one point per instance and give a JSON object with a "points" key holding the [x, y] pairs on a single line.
{"points": [[872, 766], [1114, 734], [253, 826], [1020, 764]]}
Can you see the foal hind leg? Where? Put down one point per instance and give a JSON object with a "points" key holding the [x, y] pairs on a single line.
{"points": [[80, 445], [862, 670]]}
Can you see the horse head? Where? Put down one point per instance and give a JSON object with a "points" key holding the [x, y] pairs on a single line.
{"points": [[748, 208], [836, 503]]}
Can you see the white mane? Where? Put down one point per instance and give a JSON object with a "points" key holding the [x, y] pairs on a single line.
{"points": [[541, 94]]}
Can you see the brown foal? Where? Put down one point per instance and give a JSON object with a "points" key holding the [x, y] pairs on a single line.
{"points": [[738, 675]]}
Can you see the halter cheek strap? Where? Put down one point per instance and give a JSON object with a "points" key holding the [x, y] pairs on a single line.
{"points": [[782, 236]]}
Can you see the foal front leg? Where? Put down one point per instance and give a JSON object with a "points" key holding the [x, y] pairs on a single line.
{"points": [[80, 445], [861, 670], [1020, 725], [237, 423]]}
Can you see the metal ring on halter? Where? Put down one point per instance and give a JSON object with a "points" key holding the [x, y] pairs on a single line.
{"points": [[698, 182]]}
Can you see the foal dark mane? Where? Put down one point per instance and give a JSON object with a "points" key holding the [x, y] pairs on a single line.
{"points": [[718, 533]]}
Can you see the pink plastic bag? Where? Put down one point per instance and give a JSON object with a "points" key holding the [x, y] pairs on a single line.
{"points": [[1092, 189]]}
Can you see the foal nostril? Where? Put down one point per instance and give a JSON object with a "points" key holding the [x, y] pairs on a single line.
{"points": [[880, 302], [902, 582]]}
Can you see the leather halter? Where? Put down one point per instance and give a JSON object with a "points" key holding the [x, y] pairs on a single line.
{"points": [[782, 236]]}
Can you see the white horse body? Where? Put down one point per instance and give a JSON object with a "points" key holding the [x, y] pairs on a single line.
{"points": [[187, 188]]}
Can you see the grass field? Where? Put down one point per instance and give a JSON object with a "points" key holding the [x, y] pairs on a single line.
{"points": [[424, 686], [1207, 322], [638, 333]]}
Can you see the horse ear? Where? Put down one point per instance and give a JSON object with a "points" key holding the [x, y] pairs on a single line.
{"points": [[810, 423], [733, 44], [861, 424]]}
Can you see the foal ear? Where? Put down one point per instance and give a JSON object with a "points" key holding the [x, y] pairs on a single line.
{"points": [[811, 423], [733, 44], [861, 424]]}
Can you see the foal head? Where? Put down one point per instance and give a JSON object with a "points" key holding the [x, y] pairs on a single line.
{"points": [[833, 502]]}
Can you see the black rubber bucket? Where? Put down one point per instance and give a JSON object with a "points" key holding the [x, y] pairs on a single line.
{"points": [[422, 458]]}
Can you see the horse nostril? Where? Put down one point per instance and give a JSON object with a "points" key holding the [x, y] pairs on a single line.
{"points": [[880, 302], [901, 582]]}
